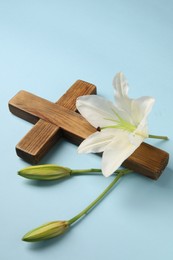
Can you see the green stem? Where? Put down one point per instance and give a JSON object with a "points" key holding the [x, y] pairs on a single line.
{"points": [[100, 197], [158, 137], [85, 171]]}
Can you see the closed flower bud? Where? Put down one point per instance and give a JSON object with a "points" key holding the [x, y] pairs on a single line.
{"points": [[45, 172], [46, 231]]}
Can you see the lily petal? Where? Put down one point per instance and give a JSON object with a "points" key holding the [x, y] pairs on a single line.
{"points": [[140, 108], [118, 151], [121, 88], [96, 142], [123, 102], [95, 110], [136, 109], [120, 85]]}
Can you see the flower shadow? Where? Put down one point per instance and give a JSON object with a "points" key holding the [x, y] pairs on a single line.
{"points": [[42, 184], [44, 245]]}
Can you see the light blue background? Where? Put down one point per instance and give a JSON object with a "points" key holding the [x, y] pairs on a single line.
{"points": [[45, 46]]}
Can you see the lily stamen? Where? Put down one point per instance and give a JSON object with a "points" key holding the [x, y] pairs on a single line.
{"points": [[120, 123]]}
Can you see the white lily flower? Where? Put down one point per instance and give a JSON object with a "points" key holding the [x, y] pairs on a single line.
{"points": [[123, 126]]}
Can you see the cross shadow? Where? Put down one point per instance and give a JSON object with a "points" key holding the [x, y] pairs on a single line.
{"points": [[143, 193], [166, 179]]}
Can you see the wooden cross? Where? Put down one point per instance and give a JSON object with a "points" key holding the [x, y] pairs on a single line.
{"points": [[54, 120]]}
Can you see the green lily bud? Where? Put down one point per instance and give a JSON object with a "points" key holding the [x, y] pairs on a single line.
{"points": [[46, 231], [45, 172]]}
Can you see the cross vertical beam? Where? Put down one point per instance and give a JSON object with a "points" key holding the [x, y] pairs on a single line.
{"points": [[41, 138]]}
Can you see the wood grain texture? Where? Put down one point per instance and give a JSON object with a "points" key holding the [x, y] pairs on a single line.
{"points": [[40, 139], [153, 161], [147, 160]]}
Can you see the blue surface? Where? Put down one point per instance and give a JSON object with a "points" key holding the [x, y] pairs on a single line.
{"points": [[45, 46]]}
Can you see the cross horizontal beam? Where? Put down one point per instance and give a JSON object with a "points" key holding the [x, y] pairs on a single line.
{"points": [[147, 160], [27, 105]]}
